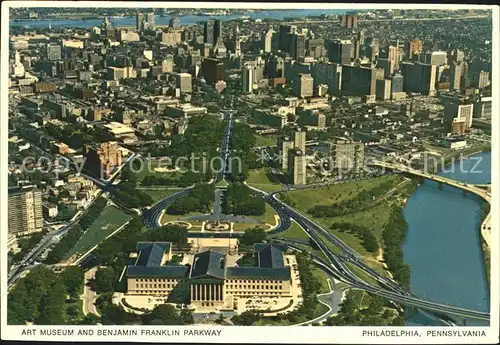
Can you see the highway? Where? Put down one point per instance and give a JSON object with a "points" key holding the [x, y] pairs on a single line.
{"points": [[337, 264]]}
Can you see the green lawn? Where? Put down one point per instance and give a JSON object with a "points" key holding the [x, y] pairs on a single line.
{"points": [[258, 178], [174, 217], [267, 217], [362, 275], [265, 140], [158, 194], [110, 219], [322, 277], [304, 199], [294, 231]]}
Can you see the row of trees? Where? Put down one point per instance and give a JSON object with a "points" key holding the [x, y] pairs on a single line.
{"points": [[77, 135], [361, 201], [44, 297], [60, 249], [26, 244], [240, 200], [186, 179], [242, 142], [199, 199], [370, 242], [394, 236]]}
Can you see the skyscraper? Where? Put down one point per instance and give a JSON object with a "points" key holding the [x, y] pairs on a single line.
{"points": [[414, 46], [212, 31], [237, 45], [456, 69], [151, 20], [304, 85], [285, 38], [53, 51], [298, 46], [359, 80], [359, 43], [175, 23], [297, 166], [247, 78], [139, 18], [341, 52], [25, 210], [183, 81], [393, 55], [299, 140], [268, 41]]}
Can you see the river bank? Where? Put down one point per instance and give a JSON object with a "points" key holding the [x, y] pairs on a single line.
{"points": [[444, 247]]}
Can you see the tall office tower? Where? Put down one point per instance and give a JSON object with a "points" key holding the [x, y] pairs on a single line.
{"points": [[139, 18], [25, 210], [298, 47], [53, 51], [383, 89], [285, 146], [329, 74], [414, 46], [455, 56], [284, 37], [268, 41], [247, 78], [359, 80], [457, 111], [483, 80], [347, 156], [217, 30], [183, 81], [297, 165], [436, 58], [393, 55], [387, 65], [397, 82], [237, 44], [304, 85], [456, 70], [275, 67], [419, 77], [360, 41], [341, 52], [151, 20], [175, 23], [208, 32], [299, 140], [212, 70]]}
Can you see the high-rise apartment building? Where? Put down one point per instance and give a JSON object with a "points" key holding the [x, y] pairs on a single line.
{"points": [[483, 80], [297, 166], [139, 18], [150, 18], [349, 21], [457, 111], [268, 41], [53, 51], [25, 214], [347, 156], [299, 140]]}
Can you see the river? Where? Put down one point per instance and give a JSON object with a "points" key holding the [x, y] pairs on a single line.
{"points": [[443, 243], [185, 20]]}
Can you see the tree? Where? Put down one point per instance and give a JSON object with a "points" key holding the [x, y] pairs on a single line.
{"points": [[254, 235], [166, 314], [90, 319], [246, 318], [104, 281], [72, 278], [376, 305]]}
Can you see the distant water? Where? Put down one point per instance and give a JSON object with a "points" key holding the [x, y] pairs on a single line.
{"points": [[185, 20], [443, 242]]}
